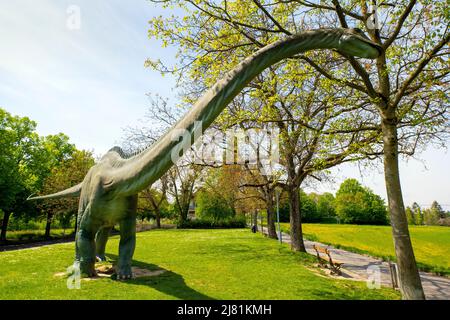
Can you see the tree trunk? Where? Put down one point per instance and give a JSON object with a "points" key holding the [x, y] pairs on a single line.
{"points": [[158, 218], [410, 284], [271, 231], [255, 219], [5, 222], [184, 210], [48, 225], [297, 243]]}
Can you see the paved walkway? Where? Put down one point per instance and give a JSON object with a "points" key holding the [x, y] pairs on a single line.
{"points": [[355, 266]]}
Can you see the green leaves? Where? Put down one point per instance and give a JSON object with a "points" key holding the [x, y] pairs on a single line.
{"points": [[30, 163], [18, 142], [359, 205], [69, 171]]}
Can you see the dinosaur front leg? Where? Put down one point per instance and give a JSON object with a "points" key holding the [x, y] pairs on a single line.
{"points": [[85, 246], [127, 241], [101, 238]]}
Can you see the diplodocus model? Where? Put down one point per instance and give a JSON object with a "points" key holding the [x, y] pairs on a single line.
{"points": [[108, 193]]}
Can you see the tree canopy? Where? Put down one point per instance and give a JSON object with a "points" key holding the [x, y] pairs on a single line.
{"points": [[28, 164], [359, 205]]}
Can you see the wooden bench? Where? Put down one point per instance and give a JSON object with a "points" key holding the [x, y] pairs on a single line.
{"points": [[335, 267]]}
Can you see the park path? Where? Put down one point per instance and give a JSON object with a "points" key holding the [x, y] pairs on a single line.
{"points": [[355, 266]]}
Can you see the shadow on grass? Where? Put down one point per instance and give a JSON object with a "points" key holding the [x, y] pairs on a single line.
{"points": [[168, 282]]}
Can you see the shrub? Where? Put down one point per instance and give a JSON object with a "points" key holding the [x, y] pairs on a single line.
{"points": [[209, 223], [17, 223]]}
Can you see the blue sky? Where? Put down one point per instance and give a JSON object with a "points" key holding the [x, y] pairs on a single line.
{"points": [[90, 83]]}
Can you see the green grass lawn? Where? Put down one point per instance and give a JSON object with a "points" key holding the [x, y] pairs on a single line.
{"points": [[200, 264], [431, 243]]}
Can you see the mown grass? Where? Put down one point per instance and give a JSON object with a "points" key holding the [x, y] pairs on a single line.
{"points": [[431, 243], [200, 264]]}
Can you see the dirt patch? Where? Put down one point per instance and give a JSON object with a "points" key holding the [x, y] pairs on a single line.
{"points": [[107, 270], [139, 272]]}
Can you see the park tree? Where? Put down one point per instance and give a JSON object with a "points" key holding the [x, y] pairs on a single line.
{"points": [[406, 85], [434, 214], [226, 182], [211, 205], [266, 189], [308, 207], [184, 182], [262, 185], [154, 200], [322, 206], [403, 89], [253, 198], [410, 216], [239, 189], [326, 205], [26, 162], [291, 98], [435, 206], [418, 213], [53, 151], [153, 203], [359, 205], [220, 190], [69, 171], [183, 179], [17, 140], [430, 217]]}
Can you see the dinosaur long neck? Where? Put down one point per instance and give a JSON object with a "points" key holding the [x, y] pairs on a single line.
{"points": [[142, 170]]}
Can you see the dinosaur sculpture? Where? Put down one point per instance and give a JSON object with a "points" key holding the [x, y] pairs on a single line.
{"points": [[108, 193]]}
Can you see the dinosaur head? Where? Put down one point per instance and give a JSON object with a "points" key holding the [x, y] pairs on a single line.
{"points": [[355, 43]]}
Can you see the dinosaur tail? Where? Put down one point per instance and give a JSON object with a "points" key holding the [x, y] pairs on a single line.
{"points": [[71, 192]]}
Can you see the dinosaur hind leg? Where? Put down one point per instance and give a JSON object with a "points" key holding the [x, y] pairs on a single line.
{"points": [[101, 238]]}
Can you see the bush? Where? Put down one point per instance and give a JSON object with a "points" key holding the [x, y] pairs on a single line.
{"points": [[211, 206], [17, 223], [209, 223], [61, 221]]}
